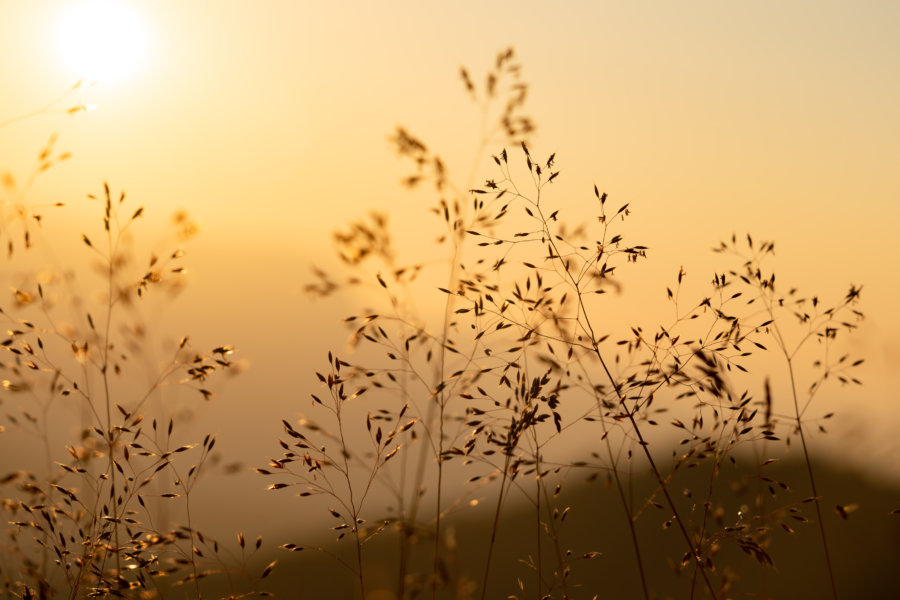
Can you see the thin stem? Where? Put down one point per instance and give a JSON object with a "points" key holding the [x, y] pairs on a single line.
{"points": [[537, 512], [789, 356], [812, 482], [442, 403], [401, 515], [104, 370], [621, 397], [631, 529], [359, 565], [494, 528], [626, 505], [709, 494], [187, 508], [695, 554], [44, 109], [559, 555], [354, 510], [440, 477]]}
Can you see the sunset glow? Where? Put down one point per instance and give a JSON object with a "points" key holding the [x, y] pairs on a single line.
{"points": [[406, 285], [101, 40]]}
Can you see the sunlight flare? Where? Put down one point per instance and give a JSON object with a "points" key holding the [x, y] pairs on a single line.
{"points": [[101, 40]]}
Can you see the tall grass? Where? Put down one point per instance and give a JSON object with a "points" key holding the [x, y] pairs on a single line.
{"points": [[525, 353], [472, 404], [106, 510]]}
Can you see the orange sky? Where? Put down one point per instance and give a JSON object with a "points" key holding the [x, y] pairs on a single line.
{"points": [[269, 123]]}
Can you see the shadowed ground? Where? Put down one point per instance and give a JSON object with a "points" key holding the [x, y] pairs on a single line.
{"points": [[865, 546]]}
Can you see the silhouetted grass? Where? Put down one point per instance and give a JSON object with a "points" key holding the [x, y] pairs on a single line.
{"points": [[108, 511], [468, 406], [525, 352]]}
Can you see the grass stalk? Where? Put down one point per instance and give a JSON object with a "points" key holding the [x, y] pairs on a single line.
{"points": [[495, 526], [812, 480], [104, 371], [695, 555], [807, 459]]}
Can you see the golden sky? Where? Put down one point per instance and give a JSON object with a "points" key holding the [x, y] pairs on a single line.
{"points": [[269, 122]]}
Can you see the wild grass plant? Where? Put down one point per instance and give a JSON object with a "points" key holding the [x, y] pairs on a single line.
{"points": [[480, 404], [494, 378], [100, 505]]}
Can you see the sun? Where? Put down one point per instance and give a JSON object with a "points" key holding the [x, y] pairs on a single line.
{"points": [[101, 40]]}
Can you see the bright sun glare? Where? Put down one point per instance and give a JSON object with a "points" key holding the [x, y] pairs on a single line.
{"points": [[101, 40]]}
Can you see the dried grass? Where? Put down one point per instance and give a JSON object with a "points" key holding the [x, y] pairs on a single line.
{"points": [[524, 353], [107, 512], [442, 415]]}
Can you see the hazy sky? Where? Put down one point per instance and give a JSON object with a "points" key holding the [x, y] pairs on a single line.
{"points": [[269, 122]]}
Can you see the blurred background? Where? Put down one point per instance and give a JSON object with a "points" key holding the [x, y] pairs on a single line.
{"points": [[269, 125]]}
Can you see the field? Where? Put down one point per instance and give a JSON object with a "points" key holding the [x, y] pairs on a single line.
{"points": [[511, 403]]}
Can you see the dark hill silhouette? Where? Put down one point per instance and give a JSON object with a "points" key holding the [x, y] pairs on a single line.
{"points": [[865, 546]]}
